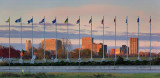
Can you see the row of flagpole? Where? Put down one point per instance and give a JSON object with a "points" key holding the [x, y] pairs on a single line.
{"points": [[78, 22]]}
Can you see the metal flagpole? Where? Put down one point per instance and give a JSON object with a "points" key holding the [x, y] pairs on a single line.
{"points": [[32, 37], [32, 60], [115, 41], [9, 42], [115, 45], [91, 41], [138, 40], [56, 60], [127, 37], [44, 59], [79, 42], [150, 44], [67, 41], [150, 40], [21, 60], [103, 59]]}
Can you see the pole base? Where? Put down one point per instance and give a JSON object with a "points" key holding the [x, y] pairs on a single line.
{"points": [[139, 59], [44, 60], [150, 59], [127, 59], [55, 60], [1, 60], [79, 60], [32, 61], [91, 59], [67, 60], [21, 61], [115, 59], [103, 59]]}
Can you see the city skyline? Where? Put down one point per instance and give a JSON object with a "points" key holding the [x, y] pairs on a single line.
{"points": [[85, 9]]}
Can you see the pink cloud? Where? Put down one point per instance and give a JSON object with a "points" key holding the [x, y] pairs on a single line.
{"points": [[82, 10]]}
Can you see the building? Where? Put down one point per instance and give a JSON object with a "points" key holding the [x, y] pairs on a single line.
{"points": [[86, 44], [50, 44], [118, 51], [112, 51], [133, 46], [28, 45], [123, 49]]}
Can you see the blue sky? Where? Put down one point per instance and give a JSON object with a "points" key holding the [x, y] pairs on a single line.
{"points": [[84, 8]]}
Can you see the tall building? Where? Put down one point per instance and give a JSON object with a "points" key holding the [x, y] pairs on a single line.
{"points": [[28, 45], [86, 42], [50, 44], [133, 46]]}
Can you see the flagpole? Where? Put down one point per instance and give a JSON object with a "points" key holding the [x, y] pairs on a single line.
{"points": [[115, 41], [91, 59], [44, 59], [9, 43], [115, 45], [138, 41], [32, 37], [32, 60], [103, 59], [127, 37], [79, 43], [56, 60], [21, 60], [67, 41], [150, 40]]}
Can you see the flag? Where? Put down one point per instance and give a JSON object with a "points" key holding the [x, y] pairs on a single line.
{"points": [[138, 20], [8, 20], [126, 20], [78, 21], [42, 21], [90, 21], [150, 20], [115, 20], [54, 21], [30, 21], [102, 22], [66, 21], [18, 20]]}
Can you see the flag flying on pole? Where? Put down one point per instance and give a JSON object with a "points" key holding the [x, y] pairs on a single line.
{"points": [[102, 22], [18, 20], [90, 21], [66, 21], [8, 20], [126, 20], [42, 21], [78, 21], [54, 21], [30, 21], [138, 20], [150, 20], [115, 20]]}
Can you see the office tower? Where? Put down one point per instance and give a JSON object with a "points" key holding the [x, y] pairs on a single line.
{"points": [[133, 46], [28, 45]]}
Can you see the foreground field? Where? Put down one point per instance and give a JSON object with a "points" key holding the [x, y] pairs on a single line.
{"points": [[76, 75]]}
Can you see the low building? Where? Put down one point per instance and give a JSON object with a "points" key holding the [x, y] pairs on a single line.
{"points": [[50, 44]]}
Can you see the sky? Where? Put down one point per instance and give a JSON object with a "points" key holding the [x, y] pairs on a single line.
{"points": [[85, 9]]}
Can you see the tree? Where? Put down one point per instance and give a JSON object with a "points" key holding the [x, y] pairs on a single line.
{"points": [[4, 52]]}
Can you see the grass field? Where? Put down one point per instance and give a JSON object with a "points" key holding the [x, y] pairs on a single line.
{"points": [[78, 75]]}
